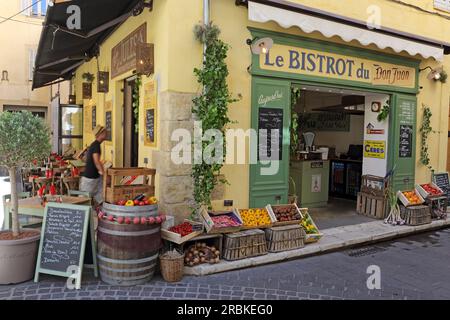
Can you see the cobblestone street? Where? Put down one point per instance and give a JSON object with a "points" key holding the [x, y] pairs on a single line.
{"points": [[411, 268]]}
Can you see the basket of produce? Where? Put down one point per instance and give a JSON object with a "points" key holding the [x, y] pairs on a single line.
{"points": [[182, 232], [172, 266], [312, 232], [258, 218], [221, 221], [285, 214], [410, 198], [200, 253], [429, 190]]}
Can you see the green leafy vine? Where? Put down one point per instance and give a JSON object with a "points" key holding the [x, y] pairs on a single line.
{"points": [[385, 110], [295, 95], [425, 131], [136, 101], [211, 108]]}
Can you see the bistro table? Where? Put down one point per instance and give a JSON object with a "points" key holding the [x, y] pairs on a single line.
{"points": [[32, 207]]}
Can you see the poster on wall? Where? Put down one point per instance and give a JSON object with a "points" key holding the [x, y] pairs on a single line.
{"points": [[316, 183], [270, 119], [150, 113], [375, 149], [405, 144]]}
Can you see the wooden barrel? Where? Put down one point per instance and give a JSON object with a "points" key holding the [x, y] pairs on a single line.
{"points": [[128, 253]]}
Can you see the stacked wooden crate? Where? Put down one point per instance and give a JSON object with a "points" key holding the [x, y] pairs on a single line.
{"points": [[285, 238], [372, 200]]}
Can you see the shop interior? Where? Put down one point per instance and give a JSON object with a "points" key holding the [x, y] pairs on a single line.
{"points": [[327, 161]]}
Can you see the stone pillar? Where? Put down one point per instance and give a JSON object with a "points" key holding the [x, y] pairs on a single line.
{"points": [[175, 182]]}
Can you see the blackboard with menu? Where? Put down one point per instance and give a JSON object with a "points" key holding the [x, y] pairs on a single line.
{"points": [[270, 119], [63, 240], [150, 125], [406, 141], [108, 125], [94, 117], [442, 181]]}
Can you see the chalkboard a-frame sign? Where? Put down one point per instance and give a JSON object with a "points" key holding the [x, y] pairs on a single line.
{"points": [[63, 241]]}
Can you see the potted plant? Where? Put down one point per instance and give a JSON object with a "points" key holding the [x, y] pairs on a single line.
{"points": [[23, 139]]}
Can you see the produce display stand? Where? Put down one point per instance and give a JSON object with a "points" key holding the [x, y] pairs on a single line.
{"points": [[405, 201], [113, 192], [372, 206], [212, 228], [244, 244], [425, 194], [310, 236], [177, 238], [244, 227]]}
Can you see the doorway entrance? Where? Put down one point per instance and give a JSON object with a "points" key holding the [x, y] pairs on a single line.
{"points": [[130, 123]]}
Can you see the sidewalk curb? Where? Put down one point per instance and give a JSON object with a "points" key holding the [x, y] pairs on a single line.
{"points": [[334, 239]]}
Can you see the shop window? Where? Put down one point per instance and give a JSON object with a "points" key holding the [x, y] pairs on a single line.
{"points": [[36, 8], [31, 60]]}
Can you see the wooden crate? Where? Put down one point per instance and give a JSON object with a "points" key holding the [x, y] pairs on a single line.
{"points": [[374, 185], [270, 209], [372, 206], [244, 227], [212, 240], [113, 192], [244, 244], [438, 207], [285, 238], [197, 229], [415, 215], [212, 228]]}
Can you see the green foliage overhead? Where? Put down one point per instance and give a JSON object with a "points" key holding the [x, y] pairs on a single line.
{"points": [[295, 95], [211, 107], [23, 138], [425, 131], [136, 101]]}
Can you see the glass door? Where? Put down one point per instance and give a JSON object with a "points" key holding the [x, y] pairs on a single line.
{"points": [[70, 127]]}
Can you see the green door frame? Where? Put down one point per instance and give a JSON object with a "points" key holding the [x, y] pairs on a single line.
{"points": [[397, 96]]}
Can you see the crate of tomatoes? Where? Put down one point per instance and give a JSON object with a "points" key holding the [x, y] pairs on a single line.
{"points": [[429, 190], [182, 232], [410, 198]]}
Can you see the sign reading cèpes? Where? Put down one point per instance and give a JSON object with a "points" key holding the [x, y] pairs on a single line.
{"points": [[331, 65], [374, 149]]}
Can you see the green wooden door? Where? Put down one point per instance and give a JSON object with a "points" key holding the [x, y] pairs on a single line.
{"points": [[402, 140], [269, 180]]}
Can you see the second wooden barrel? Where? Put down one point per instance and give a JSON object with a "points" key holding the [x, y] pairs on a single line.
{"points": [[128, 253]]}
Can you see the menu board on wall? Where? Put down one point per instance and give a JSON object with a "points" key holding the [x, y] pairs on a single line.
{"points": [[314, 121], [63, 240], [405, 145], [94, 117], [270, 119], [150, 125], [108, 125]]}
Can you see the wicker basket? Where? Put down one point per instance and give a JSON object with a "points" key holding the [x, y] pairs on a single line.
{"points": [[172, 268]]}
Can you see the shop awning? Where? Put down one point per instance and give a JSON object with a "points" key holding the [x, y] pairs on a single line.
{"points": [[63, 48], [288, 14]]}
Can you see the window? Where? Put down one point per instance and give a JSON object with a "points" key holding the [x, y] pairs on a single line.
{"points": [[37, 8], [31, 61]]}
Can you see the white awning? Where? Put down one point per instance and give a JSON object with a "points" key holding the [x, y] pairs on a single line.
{"points": [[264, 13]]}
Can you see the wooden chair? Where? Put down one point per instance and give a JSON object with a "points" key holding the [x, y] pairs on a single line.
{"points": [[69, 184], [7, 214]]}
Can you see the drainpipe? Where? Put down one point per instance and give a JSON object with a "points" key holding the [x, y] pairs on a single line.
{"points": [[206, 20]]}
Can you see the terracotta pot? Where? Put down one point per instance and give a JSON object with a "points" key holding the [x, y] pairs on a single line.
{"points": [[18, 258]]}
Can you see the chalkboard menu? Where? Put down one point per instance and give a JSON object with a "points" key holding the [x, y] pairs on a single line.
{"points": [[63, 238], [406, 140], [108, 125], [321, 121], [150, 125], [270, 119], [442, 181], [94, 117]]}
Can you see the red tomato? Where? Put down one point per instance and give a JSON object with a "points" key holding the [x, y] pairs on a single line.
{"points": [[142, 203], [146, 202], [136, 202]]}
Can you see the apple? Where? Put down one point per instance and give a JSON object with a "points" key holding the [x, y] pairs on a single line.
{"points": [[120, 220], [101, 215], [111, 218], [143, 220], [158, 219], [146, 202], [136, 220], [127, 220], [142, 203], [163, 217], [136, 202], [151, 220]]}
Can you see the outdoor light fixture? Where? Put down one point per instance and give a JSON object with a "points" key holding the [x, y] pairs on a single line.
{"points": [[260, 46], [437, 74], [145, 56], [103, 81]]}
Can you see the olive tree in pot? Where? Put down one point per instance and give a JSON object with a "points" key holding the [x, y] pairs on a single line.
{"points": [[23, 139]]}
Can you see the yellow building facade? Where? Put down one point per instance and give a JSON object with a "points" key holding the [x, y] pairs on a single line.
{"points": [[169, 26]]}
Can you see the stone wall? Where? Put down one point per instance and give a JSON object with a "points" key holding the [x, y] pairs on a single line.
{"points": [[175, 181]]}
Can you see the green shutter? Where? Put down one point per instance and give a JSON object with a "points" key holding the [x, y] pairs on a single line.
{"points": [[402, 140], [270, 96]]}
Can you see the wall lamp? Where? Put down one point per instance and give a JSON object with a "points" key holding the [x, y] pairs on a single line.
{"points": [[259, 46], [437, 74]]}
